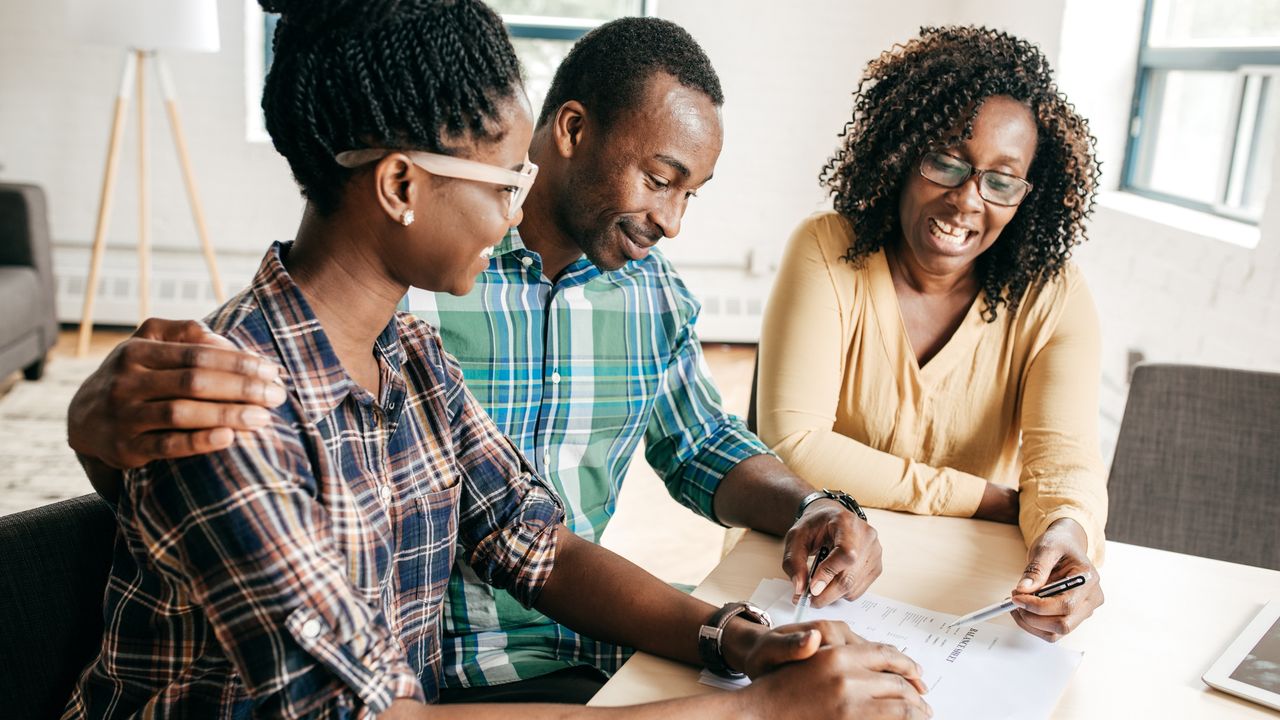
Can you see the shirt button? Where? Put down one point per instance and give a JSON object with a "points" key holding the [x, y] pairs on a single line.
{"points": [[385, 492], [546, 460], [555, 378], [526, 261], [311, 629]]}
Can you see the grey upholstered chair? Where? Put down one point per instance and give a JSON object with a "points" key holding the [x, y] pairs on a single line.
{"points": [[29, 322], [1197, 464], [54, 563]]}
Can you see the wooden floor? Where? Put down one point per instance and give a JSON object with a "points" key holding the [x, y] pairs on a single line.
{"points": [[650, 528]]}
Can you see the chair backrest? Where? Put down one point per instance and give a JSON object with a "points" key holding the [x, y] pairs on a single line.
{"points": [[1197, 464], [54, 562]]}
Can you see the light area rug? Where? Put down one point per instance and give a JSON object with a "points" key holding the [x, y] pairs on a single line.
{"points": [[36, 465]]}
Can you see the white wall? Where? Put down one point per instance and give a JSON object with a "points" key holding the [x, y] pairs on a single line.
{"points": [[56, 102]]}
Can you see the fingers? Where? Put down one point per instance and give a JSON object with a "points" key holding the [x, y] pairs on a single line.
{"points": [[902, 708], [172, 445], [796, 548], [778, 648], [830, 632], [206, 384], [884, 658], [1052, 617], [209, 355], [172, 415], [1041, 561]]}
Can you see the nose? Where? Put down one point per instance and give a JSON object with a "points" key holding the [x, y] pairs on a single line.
{"points": [[965, 196], [668, 215], [515, 220]]}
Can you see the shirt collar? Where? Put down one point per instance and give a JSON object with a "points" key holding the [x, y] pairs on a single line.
{"points": [[578, 272], [311, 366]]}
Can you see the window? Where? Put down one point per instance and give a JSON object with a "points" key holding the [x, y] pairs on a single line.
{"points": [[1206, 107], [542, 32]]}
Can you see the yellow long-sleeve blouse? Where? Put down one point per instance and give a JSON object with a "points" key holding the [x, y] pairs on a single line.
{"points": [[843, 401]]}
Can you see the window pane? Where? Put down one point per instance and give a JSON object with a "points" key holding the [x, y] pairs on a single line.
{"points": [[540, 59], [1263, 157], [1188, 123], [589, 9], [1182, 23]]}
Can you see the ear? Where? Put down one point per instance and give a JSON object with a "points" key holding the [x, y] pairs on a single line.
{"points": [[568, 127], [398, 185]]}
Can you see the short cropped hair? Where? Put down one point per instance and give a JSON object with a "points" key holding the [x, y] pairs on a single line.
{"points": [[607, 68]]}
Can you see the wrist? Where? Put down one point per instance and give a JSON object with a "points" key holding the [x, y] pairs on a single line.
{"points": [[740, 636]]}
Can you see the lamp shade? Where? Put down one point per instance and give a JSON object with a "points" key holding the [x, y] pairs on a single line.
{"points": [[146, 24]]}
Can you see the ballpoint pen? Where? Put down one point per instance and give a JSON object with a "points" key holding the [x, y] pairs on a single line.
{"points": [[1004, 606], [804, 598]]}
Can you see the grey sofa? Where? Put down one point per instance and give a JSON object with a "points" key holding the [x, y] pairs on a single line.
{"points": [[28, 321]]}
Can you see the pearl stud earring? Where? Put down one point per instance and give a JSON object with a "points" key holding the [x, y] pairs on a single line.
{"points": [[406, 218]]}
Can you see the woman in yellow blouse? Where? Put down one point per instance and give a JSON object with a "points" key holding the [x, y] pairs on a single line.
{"points": [[928, 346]]}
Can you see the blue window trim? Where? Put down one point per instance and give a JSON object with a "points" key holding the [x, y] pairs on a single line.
{"points": [[1153, 59]]}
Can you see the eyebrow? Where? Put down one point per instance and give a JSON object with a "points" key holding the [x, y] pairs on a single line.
{"points": [[680, 167]]}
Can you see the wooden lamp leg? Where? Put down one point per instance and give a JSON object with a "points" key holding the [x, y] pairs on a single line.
{"points": [[144, 199], [104, 202], [184, 159]]}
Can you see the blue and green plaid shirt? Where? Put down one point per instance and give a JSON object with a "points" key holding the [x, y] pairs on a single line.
{"points": [[576, 372]]}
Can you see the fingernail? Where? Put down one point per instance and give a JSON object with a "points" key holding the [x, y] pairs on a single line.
{"points": [[268, 371], [817, 587], [221, 437], [256, 417], [1024, 584], [274, 394]]}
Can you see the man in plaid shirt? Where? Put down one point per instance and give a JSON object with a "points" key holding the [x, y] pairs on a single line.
{"points": [[579, 341]]}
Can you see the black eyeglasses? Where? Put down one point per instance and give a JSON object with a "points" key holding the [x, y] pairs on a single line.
{"points": [[995, 187]]}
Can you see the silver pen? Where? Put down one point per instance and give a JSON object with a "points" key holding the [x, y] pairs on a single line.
{"points": [[1004, 606]]}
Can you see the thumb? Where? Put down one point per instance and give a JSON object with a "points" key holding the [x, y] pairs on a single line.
{"points": [[1040, 563], [781, 648]]}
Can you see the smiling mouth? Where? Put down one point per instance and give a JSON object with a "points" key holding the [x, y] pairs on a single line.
{"points": [[487, 252], [948, 234]]}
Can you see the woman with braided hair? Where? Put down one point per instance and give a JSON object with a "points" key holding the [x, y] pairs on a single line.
{"points": [[301, 571], [928, 347]]}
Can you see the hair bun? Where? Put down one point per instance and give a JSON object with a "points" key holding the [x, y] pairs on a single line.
{"points": [[320, 15]]}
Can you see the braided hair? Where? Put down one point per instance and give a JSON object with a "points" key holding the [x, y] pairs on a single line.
{"points": [[924, 95], [408, 74]]}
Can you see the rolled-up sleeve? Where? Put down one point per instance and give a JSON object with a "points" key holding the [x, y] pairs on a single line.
{"points": [[241, 532], [508, 513], [691, 442]]}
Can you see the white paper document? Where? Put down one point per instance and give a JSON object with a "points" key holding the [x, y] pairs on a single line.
{"points": [[977, 671]]}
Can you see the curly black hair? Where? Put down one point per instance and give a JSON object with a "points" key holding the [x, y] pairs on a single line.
{"points": [[607, 68], [351, 74], [923, 96]]}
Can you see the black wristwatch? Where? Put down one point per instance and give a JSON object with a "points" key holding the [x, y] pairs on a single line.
{"points": [[844, 499], [711, 634]]}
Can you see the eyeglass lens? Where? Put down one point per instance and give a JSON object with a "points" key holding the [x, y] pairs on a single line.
{"points": [[996, 187]]}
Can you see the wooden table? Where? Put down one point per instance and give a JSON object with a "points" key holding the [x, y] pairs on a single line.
{"points": [[1167, 616]]}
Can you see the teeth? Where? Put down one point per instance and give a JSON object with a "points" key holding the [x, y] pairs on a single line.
{"points": [[487, 252], [947, 231]]}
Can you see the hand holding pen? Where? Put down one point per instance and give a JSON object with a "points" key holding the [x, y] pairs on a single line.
{"points": [[807, 596]]}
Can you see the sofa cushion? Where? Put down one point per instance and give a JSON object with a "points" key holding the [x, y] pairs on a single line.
{"points": [[21, 298]]}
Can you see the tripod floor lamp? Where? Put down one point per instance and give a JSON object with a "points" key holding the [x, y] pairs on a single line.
{"points": [[144, 28]]}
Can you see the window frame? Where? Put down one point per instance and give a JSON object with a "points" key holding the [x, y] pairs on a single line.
{"points": [[1243, 61], [258, 45]]}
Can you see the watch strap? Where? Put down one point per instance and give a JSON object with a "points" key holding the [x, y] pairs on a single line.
{"points": [[711, 635], [843, 498]]}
